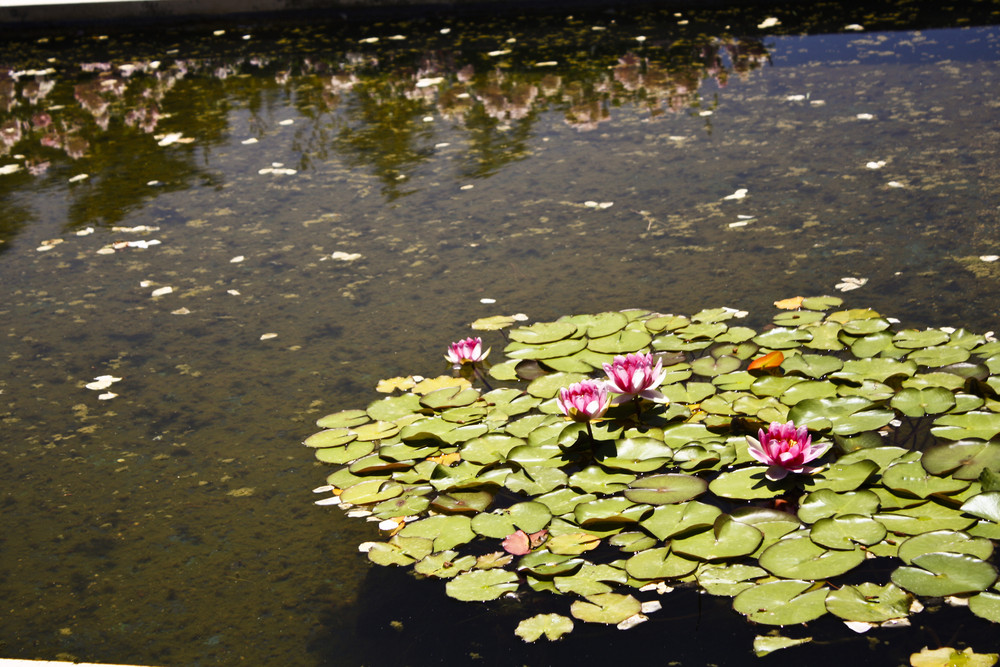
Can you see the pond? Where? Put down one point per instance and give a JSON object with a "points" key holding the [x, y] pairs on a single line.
{"points": [[213, 235]]}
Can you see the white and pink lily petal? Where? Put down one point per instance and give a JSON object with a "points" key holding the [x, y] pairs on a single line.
{"points": [[633, 375], [584, 401], [785, 449], [467, 351]]}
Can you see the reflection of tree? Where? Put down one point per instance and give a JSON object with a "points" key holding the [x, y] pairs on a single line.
{"points": [[385, 130], [109, 119]]}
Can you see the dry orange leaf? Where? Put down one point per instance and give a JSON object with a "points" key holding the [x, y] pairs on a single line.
{"points": [[793, 303], [446, 459], [769, 360]]}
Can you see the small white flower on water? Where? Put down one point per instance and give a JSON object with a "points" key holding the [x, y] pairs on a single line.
{"points": [[854, 26], [78, 178], [875, 164], [769, 22], [368, 40], [501, 52], [102, 382], [989, 258], [247, 142], [740, 223], [180, 311], [520, 317], [865, 116], [487, 301], [547, 63], [10, 169], [640, 38], [233, 292], [895, 184], [106, 396], [739, 194], [429, 81], [705, 113], [219, 33], [237, 259], [287, 121], [467, 187], [85, 232], [795, 98], [171, 138], [848, 284], [345, 256], [160, 291], [268, 336]]}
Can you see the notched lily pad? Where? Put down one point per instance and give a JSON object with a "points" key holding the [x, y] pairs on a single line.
{"points": [[665, 489], [784, 602]]}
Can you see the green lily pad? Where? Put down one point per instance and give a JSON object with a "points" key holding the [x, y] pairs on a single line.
{"points": [[548, 386], [747, 484], [608, 608], [665, 489], [869, 603], [985, 506], [912, 478], [370, 491], [634, 454], [801, 558], [445, 531], [811, 365], [553, 626], [986, 605], [668, 520], [444, 565], [727, 539], [919, 402], [595, 479], [880, 369], [728, 580], [767, 644], [782, 602], [481, 585], [782, 338], [847, 530], [621, 342], [333, 437], [343, 419], [660, 563], [963, 459], [913, 338], [942, 355], [543, 332], [394, 407], [824, 503], [489, 448], [820, 413], [949, 541], [609, 510], [943, 574], [346, 454], [712, 367], [528, 516], [573, 544], [552, 350], [979, 425], [923, 518], [462, 502]]}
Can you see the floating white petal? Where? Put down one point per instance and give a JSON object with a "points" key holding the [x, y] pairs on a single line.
{"points": [[160, 291], [739, 194]]}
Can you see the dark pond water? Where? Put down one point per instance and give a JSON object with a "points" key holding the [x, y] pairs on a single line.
{"points": [[329, 209]]}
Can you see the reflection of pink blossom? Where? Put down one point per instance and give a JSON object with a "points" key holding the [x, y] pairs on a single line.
{"points": [[785, 449], [75, 147], [38, 168], [10, 133], [40, 121]]}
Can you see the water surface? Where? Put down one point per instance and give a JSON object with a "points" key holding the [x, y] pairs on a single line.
{"points": [[360, 199]]}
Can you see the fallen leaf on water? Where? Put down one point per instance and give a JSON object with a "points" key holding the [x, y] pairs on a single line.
{"points": [[792, 303]]}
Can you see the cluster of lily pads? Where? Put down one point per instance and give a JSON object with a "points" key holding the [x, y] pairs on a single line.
{"points": [[479, 478]]}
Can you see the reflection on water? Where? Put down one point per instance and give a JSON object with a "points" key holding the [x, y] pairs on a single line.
{"points": [[359, 199]]}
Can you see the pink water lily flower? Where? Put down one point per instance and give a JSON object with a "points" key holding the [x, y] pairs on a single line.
{"points": [[634, 375], [584, 401], [468, 351], [785, 449]]}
